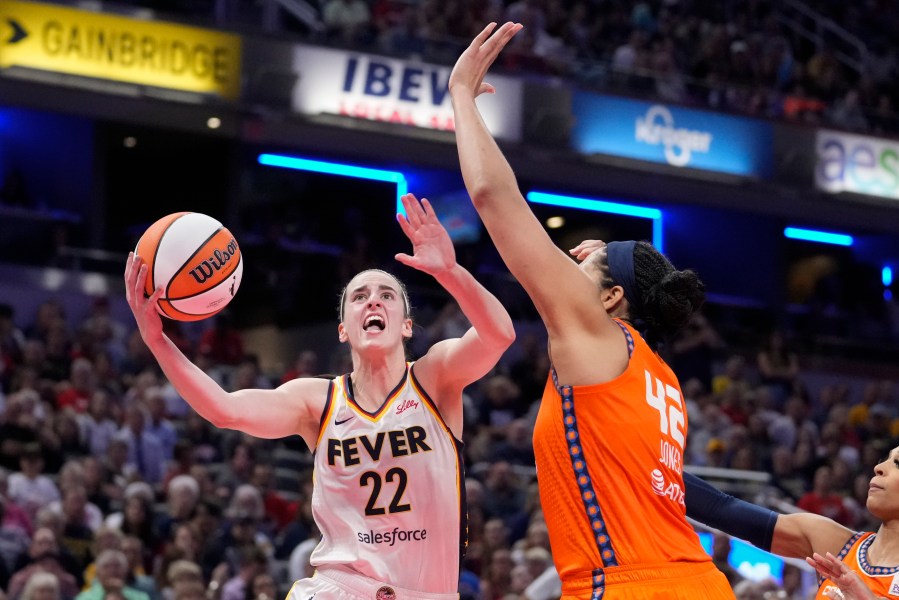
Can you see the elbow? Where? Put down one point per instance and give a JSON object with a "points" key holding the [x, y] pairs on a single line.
{"points": [[483, 195], [505, 336]]}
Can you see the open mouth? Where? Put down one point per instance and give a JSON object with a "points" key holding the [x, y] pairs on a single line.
{"points": [[374, 322]]}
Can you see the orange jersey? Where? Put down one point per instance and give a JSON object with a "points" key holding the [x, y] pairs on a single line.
{"points": [[609, 465], [882, 581]]}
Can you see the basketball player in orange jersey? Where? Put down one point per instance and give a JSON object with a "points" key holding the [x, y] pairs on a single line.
{"points": [[611, 428], [852, 565], [388, 481]]}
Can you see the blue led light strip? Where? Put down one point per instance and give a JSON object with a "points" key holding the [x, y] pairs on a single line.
{"points": [[344, 170], [823, 237], [607, 207]]}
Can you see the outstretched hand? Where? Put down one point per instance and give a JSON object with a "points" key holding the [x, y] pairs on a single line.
{"points": [[851, 586], [148, 320], [586, 248], [432, 248], [472, 65]]}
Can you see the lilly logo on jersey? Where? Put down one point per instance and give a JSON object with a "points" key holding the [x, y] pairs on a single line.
{"points": [[216, 262], [405, 405]]}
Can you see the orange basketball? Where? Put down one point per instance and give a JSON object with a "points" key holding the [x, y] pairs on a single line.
{"points": [[196, 261]]}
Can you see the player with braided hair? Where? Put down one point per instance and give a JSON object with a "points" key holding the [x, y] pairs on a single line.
{"points": [[611, 429]]}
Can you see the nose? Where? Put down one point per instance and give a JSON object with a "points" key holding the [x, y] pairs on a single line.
{"points": [[878, 469]]}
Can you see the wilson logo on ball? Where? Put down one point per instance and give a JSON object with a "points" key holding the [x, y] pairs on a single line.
{"points": [[216, 262], [195, 260]]}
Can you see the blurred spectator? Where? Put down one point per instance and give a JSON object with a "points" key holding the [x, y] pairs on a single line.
{"points": [[250, 563], [111, 580], [77, 536], [735, 375], [239, 468], [261, 586], [305, 365], [158, 423], [181, 499], [504, 495], [778, 367], [347, 20], [42, 586], [133, 549], [516, 448], [847, 113], [146, 454], [694, 349], [822, 500], [276, 507], [180, 573], [31, 488], [43, 557]]}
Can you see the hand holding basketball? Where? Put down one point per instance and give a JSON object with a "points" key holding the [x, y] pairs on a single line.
{"points": [[432, 248], [196, 262], [148, 320]]}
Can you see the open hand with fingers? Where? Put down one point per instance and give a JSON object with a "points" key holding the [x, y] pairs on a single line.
{"points": [[148, 320], [472, 65], [432, 248], [586, 248], [851, 586]]}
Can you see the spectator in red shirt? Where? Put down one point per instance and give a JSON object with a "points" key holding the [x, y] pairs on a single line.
{"points": [[822, 500]]}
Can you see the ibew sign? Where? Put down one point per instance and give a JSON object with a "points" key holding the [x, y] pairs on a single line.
{"points": [[680, 137], [856, 163], [396, 91]]}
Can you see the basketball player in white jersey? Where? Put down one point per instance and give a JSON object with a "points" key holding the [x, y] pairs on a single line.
{"points": [[388, 482]]}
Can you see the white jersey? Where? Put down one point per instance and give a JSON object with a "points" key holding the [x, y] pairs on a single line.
{"points": [[389, 489]]}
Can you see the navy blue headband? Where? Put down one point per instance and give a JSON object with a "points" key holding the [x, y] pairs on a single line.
{"points": [[620, 256]]}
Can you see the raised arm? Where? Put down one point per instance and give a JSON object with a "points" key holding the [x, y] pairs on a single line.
{"points": [[529, 253], [452, 364], [293, 408]]}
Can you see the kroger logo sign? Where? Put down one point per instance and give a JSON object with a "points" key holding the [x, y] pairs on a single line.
{"points": [[657, 128], [671, 135]]}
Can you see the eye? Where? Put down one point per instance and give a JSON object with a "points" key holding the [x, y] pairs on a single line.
{"points": [[358, 296], [387, 296], [896, 462]]}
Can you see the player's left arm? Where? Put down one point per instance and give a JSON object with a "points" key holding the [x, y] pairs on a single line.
{"points": [[452, 364]]}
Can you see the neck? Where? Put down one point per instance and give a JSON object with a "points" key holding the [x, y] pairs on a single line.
{"points": [[884, 550], [372, 381]]}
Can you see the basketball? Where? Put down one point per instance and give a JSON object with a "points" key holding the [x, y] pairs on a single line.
{"points": [[197, 262]]}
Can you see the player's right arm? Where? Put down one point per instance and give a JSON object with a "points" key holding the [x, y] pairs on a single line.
{"points": [[293, 408], [552, 280]]}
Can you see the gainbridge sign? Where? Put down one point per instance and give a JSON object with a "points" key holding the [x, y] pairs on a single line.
{"points": [[53, 38]]}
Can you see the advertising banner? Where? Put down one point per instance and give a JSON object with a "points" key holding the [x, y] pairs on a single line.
{"points": [[377, 88], [856, 163], [679, 137], [53, 38]]}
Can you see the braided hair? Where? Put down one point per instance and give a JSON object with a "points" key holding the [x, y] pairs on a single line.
{"points": [[667, 297]]}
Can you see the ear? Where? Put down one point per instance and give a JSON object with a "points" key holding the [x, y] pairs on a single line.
{"points": [[613, 300], [407, 328], [342, 336]]}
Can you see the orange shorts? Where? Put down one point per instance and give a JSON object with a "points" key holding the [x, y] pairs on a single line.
{"points": [[668, 581]]}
